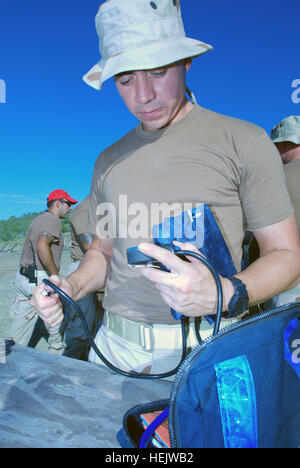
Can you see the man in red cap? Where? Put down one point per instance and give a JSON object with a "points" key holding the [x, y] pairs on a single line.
{"points": [[40, 258]]}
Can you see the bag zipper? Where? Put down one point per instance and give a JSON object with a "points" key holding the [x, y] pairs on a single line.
{"points": [[188, 362]]}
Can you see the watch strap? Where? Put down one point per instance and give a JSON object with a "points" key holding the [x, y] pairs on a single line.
{"points": [[239, 302]]}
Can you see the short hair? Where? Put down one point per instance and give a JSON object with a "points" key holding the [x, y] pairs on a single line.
{"points": [[50, 203]]}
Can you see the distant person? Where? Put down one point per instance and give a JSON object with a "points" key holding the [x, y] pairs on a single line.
{"points": [[76, 343], [40, 258], [286, 136]]}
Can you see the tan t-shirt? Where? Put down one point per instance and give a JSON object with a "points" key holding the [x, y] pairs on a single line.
{"points": [[209, 158], [46, 222], [292, 173], [78, 221]]}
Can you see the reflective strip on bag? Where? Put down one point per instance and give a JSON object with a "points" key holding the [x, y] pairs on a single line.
{"points": [[237, 400]]}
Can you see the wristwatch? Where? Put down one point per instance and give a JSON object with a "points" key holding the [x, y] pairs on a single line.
{"points": [[239, 302]]}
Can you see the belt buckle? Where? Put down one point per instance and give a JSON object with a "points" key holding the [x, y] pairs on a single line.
{"points": [[146, 337], [143, 331]]}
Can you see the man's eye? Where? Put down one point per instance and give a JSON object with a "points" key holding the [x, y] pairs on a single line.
{"points": [[124, 80], [158, 73]]}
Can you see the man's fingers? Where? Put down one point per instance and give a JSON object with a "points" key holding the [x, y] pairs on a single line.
{"points": [[159, 276], [191, 247], [165, 257]]}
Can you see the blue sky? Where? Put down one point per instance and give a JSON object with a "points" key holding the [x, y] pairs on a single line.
{"points": [[53, 126]]}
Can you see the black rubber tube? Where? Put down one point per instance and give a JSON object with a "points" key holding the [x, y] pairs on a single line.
{"points": [[137, 375]]}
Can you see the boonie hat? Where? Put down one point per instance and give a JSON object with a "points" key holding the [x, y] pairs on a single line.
{"points": [[140, 35], [59, 195], [287, 130]]}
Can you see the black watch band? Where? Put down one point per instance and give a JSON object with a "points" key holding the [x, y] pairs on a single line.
{"points": [[239, 302]]}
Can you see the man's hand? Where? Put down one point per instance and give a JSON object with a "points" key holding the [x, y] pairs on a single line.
{"points": [[50, 308], [189, 288]]}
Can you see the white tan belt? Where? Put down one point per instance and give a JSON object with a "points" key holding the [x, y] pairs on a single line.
{"points": [[149, 337]]}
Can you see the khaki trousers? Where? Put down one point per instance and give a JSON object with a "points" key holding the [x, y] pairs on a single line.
{"points": [[286, 297], [24, 316], [151, 349]]}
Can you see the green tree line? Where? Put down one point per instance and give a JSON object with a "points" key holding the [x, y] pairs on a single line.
{"points": [[14, 229]]}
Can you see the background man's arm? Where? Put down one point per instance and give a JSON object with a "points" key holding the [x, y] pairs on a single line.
{"points": [[45, 254], [85, 239]]}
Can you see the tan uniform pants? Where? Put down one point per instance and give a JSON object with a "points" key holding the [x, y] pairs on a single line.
{"points": [[24, 316], [286, 297], [152, 349]]}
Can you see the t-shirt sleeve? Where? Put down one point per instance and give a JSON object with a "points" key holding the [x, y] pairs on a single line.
{"points": [[52, 225], [96, 198], [264, 196]]}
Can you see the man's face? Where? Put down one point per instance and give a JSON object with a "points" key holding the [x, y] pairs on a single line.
{"points": [[288, 150], [64, 209], [156, 97]]}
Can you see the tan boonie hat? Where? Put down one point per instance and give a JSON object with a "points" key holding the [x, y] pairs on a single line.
{"points": [[287, 130], [140, 35]]}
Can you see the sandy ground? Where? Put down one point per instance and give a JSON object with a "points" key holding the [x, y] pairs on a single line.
{"points": [[9, 264]]}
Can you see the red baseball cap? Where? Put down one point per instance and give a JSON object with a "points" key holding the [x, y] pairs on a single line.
{"points": [[60, 195]]}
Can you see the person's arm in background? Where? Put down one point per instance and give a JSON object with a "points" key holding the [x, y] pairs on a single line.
{"points": [[45, 254], [85, 239]]}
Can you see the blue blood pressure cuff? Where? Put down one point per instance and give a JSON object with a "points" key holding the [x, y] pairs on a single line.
{"points": [[199, 227]]}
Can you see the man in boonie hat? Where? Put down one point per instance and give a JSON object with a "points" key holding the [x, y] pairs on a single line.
{"points": [[179, 153], [286, 137], [40, 258], [140, 35]]}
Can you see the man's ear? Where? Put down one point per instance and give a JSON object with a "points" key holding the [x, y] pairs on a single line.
{"points": [[188, 64]]}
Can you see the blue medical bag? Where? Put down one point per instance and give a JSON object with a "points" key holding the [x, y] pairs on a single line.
{"points": [[238, 389]]}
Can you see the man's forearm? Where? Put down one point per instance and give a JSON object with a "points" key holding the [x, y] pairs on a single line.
{"points": [[278, 268], [271, 275], [91, 274], [46, 258]]}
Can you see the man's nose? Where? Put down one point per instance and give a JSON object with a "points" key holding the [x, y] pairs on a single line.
{"points": [[145, 91]]}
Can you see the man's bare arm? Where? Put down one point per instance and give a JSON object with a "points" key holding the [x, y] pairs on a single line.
{"points": [[93, 270], [45, 254], [277, 269]]}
